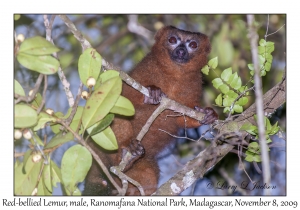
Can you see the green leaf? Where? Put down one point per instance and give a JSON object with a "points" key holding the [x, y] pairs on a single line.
{"points": [[262, 42], [123, 107], [37, 101], [75, 121], [226, 74], [236, 83], [267, 123], [268, 66], [77, 118], [213, 63], [26, 182], [226, 109], [106, 139], [25, 159], [224, 88], [217, 82], [242, 89], [263, 73], [246, 126], [254, 146], [43, 118], [274, 129], [37, 140], [89, 65], [101, 101], [270, 47], [106, 76], [18, 89], [232, 94], [268, 140], [59, 139], [44, 64], [75, 165], [100, 126], [237, 108], [262, 60], [37, 46], [205, 70], [261, 50], [219, 100], [25, 116], [257, 158], [242, 101], [42, 189], [249, 158], [249, 128], [55, 174], [228, 101], [109, 74], [47, 176], [251, 66], [269, 57]]}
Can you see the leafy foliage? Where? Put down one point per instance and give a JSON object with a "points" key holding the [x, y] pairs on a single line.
{"points": [[253, 150], [95, 117]]}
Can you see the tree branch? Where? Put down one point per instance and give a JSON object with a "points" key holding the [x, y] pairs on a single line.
{"points": [[203, 162]]}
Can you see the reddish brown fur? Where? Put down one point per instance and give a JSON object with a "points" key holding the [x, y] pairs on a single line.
{"points": [[181, 82]]}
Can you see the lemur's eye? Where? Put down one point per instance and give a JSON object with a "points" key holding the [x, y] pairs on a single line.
{"points": [[193, 45], [172, 40]]}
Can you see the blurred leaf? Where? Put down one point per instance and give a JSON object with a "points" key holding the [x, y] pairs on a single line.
{"points": [[224, 88], [228, 101], [237, 108], [219, 100], [242, 101], [217, 82], [205, 70], [226, 74], [66, 59], [262, 42], [236, 82], [213, 63], [251, 66], [267, 66], [232, 94], [270, 47]]}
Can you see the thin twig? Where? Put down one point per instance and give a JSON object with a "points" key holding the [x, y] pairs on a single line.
{"points": [[60, 73], [44, 95]]}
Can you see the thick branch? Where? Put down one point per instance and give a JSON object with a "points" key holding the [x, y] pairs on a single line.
{"points": [[203, 162]]}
